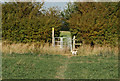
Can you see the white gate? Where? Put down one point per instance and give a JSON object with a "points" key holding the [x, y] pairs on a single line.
{"points": [[63, 42]]}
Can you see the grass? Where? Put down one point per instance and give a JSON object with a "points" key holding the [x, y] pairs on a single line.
{"points": [[41, 61], [46, 48], [8, 48], [29, 66], [46, 66], [94, 67]]}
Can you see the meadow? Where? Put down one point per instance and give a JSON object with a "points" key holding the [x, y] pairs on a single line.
{"points": [[48, 65], [27, 34]]}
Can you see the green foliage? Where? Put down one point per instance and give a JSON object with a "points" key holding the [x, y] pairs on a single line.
{"points": [[66, 14], [27, 22], [90, 22], [94, 22], [65, 34]]}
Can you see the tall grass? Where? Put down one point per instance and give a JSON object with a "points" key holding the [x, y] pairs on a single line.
{"points": [[41, 48], [46, 48], [97, 50]]}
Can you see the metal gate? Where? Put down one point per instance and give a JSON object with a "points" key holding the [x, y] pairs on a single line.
{"points": [[63, 42]]}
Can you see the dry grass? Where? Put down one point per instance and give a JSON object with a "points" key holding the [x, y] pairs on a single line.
{"points": [[88, 50], [48, 49], [32, 48]]}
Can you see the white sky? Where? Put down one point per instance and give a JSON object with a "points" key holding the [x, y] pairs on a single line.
{"points": [[59, 3], [62, 0]]}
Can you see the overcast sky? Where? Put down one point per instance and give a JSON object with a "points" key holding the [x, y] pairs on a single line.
{"points": [[60, 5]]}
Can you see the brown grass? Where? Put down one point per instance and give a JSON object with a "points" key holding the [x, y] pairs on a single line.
{"points": [[32, 48], [48, 49], [88, 50]]}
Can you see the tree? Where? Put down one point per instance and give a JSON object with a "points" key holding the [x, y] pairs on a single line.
{"points": [[94, 22], [26, 22]]}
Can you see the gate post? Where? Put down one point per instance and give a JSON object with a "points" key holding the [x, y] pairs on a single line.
{"points": [[73, 42], [53, 39]]}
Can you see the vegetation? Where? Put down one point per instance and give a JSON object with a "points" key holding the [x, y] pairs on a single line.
{"points": [[95, 67], [27, 34], [31, 61], [27, 22], [42, 48], [94, 22], [47, 66], [90, 22]]}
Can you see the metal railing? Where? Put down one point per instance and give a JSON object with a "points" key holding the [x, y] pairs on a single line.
{"points": [[63, 42]]}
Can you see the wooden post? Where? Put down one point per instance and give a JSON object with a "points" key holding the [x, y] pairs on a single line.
{"points": [[53, 39], [73, 42]]}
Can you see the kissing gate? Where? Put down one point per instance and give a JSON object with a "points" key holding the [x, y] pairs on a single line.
{"points": [[64, 40]]}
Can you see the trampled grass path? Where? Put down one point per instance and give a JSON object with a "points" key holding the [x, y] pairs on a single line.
{"points": [[61, 70], [31, 66]]}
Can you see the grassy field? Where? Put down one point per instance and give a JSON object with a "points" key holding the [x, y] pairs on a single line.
{"points": [[46, 66]]}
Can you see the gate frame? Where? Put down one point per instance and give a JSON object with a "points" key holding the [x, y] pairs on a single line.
{"points": [[71, 45]]}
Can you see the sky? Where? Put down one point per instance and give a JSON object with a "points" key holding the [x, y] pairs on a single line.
{"points": [[60, 5]]}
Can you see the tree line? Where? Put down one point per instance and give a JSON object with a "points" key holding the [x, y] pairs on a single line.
{"points": [[88, 21]]}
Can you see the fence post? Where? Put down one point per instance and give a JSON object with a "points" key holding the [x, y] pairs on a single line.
{"points": [[54, 42], [73, 42], [53, 39]]}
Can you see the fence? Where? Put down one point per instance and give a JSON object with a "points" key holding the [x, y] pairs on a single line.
{"points": [[63, 42]]}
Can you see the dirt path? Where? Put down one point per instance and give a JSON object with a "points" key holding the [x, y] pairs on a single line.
{"points": [[61, 70]]}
